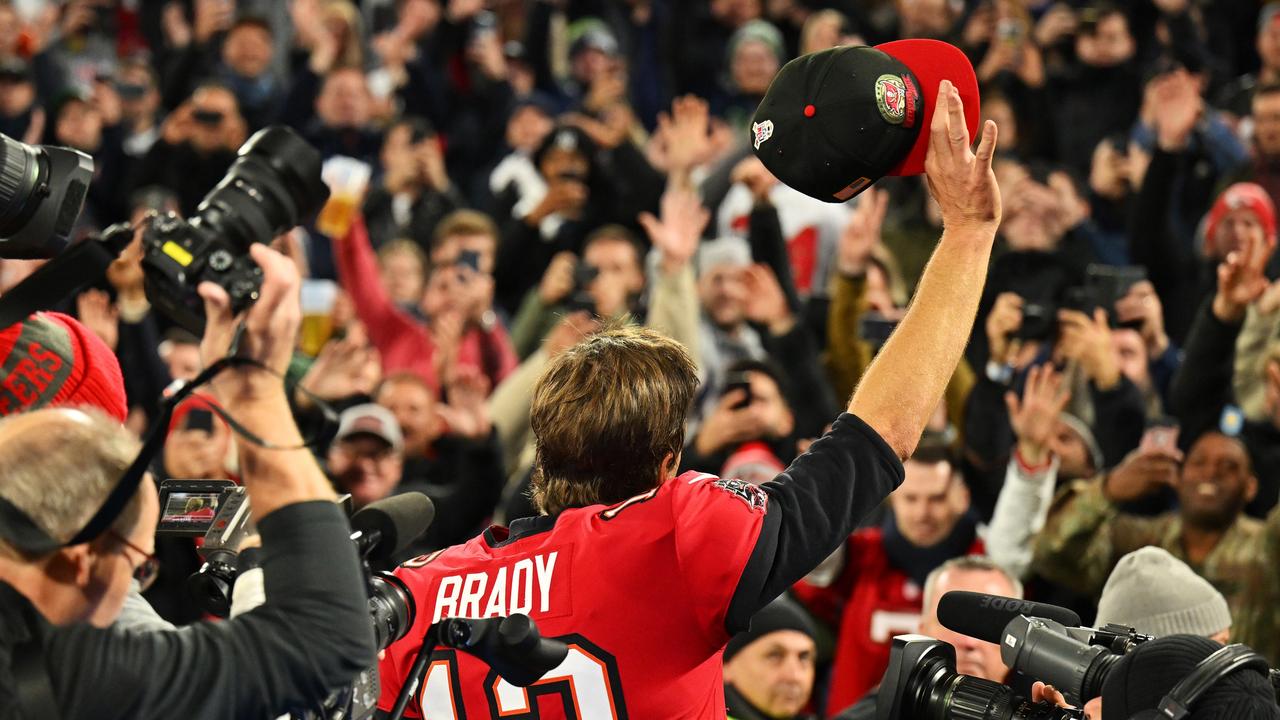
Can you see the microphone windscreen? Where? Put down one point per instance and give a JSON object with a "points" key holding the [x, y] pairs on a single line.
{"points": [[984, 616], [399, 520]]}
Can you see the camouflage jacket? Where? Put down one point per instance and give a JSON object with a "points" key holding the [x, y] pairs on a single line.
{"points": [[1085, 536]]}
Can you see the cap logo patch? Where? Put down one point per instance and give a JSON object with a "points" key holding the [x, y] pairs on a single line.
{"points": [[891, 98], [761, 131], [912, 104], [853, 188]]}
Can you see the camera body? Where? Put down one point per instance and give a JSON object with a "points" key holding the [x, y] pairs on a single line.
{"points": [[580, 298], [273, 185], [178, 255]]}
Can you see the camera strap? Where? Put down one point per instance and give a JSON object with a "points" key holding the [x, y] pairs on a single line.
{"points": [[73, 270], [18, 529]]}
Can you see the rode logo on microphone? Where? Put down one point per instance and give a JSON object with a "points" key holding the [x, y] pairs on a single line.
{"points": [[994, 602]]}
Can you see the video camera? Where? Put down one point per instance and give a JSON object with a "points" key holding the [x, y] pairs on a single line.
{"points": [[274, 184], [921, 680]]}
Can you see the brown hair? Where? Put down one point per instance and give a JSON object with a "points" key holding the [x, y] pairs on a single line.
{"points": [[605, 415], [463, 222]]}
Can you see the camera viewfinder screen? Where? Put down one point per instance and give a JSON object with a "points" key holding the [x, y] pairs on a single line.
{"points": [[192, 511]]}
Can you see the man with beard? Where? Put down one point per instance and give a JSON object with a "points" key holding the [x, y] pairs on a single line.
{"points": [[879, 591], [1087, 534]]}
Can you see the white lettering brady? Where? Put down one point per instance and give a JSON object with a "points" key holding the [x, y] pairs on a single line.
{"points": [[508, 590], [522, 587]]}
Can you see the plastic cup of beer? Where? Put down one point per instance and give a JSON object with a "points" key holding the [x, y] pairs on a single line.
{"points": [[318, 297], [348, 179]]}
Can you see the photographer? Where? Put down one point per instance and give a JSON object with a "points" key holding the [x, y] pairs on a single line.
{"points": [[311, 636]]}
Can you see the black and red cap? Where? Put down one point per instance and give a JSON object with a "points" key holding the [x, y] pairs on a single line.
{"points": [[835, 121]]}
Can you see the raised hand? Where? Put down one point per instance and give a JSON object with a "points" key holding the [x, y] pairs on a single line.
{"points": [[679, 231], [467, 413], [344, 368], [557, 282], [961, 180], [1241, 278], [1004, 319], [99, 314], [1143, 472], [1087, 341], [766, 302], [752, 173], [1036, 415], [1142, 304], [862, 232], [728, 424], [688, 141], [270, 330], [1179, 106]]}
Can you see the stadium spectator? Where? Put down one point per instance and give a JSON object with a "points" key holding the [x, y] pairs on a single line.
{"points": [[879, 591], [769, 669], [1087, 534], [970, 573]]}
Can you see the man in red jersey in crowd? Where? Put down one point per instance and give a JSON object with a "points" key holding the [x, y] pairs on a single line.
{"points": [[646, 576]]}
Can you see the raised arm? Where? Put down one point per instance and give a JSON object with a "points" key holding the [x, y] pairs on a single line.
{"points": [[902, 387], [274, 478]]}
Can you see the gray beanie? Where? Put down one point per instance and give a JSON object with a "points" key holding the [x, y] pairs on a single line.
{"points": [[1085, 433], [1159, 595]]}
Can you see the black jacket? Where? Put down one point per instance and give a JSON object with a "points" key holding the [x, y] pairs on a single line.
{"points": [[311, 636]]}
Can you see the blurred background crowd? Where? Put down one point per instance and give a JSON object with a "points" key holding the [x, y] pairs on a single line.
{"points": [[509, 175]]}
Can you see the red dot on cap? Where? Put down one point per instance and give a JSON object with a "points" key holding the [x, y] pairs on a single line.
{"points": [[809, 110]]}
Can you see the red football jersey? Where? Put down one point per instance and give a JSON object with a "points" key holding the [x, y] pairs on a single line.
{"points": [[870, 603], [638, 590]]}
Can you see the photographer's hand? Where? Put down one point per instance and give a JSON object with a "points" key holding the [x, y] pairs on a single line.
{"points": [[1142, 473], [1004, 319], [255, 396], [1088, 340]]}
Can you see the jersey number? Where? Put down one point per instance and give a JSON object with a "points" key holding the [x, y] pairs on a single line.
{"points": [[587, 683]]}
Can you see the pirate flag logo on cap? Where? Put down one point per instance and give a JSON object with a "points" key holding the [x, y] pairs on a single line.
{"points": [[835, 121]]}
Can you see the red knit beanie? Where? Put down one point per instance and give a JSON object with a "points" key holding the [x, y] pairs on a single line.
{"points": [[51, 360], [1249, 196]]}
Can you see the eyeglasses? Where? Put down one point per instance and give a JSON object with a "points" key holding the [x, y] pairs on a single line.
{"points": [[145, 573]]}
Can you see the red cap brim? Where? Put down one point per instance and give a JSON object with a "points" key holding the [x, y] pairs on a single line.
{"points": [[933, 61]]}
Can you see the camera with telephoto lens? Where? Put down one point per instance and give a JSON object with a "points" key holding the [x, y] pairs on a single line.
{"points": [[273, 185], [921, 681], [42, 190]]}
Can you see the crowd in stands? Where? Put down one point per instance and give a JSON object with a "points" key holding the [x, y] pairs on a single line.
{"points": [[539, 169]]}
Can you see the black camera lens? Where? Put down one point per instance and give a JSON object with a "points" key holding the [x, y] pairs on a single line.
{"points": [[391, 608], [211, 586], [272, 186], [20, 175], [42, 190], [921, 683]]}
